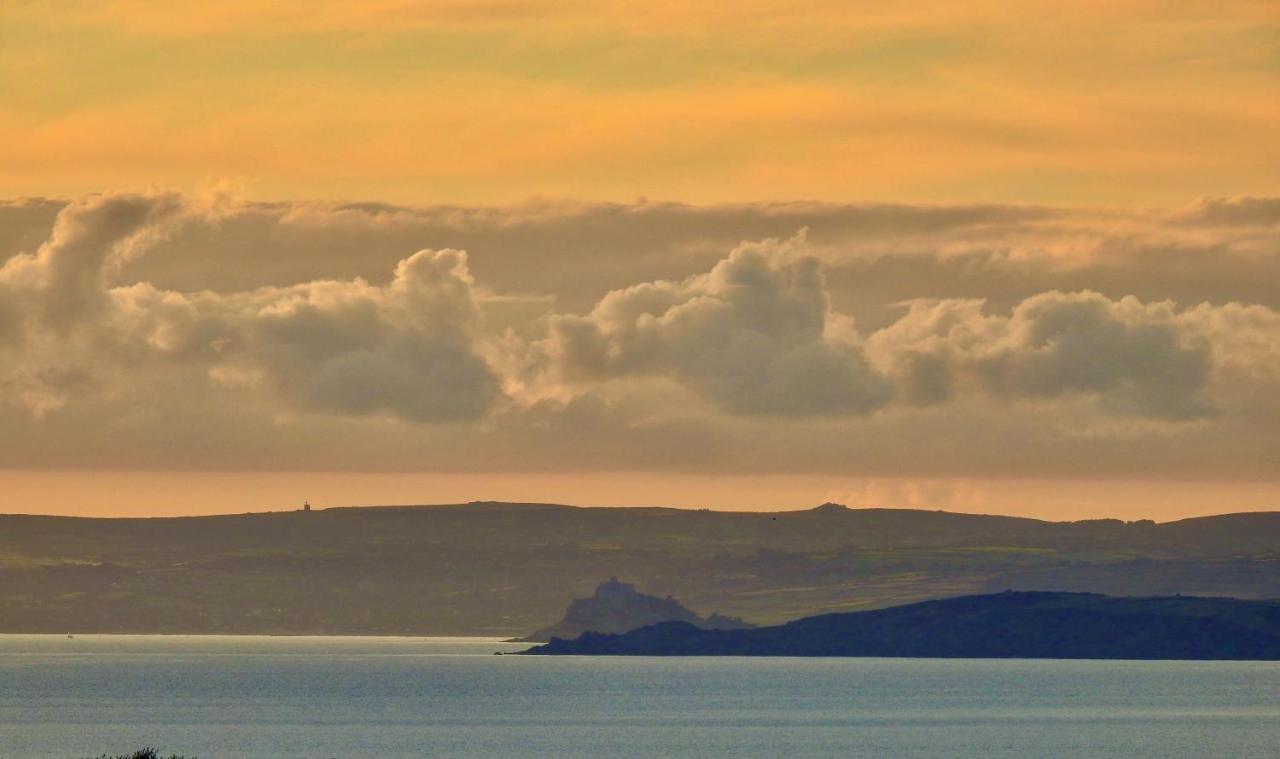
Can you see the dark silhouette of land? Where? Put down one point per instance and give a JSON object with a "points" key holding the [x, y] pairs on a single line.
{"points": [[506, 569], [146, 753], [1002, 625], [617, 607]]}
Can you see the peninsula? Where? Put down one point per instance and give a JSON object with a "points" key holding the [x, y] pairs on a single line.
{"points": [[1029, 625]]}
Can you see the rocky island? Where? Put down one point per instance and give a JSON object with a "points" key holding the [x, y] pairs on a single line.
{"points": [[617, 607]]}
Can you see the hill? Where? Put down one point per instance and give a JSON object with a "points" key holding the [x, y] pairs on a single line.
{"points": [[1003, 625], [506, 569]]}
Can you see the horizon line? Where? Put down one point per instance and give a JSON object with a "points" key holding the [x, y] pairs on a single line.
{"points": [[692, 509]]}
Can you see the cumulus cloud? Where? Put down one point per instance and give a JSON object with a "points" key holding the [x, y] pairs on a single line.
{"points": [[65, 281], [408, 348], [1136, 358], [756, 335], [872, 343]]}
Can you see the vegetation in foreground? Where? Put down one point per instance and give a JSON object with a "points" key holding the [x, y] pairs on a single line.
{"points": [[146, 753]]}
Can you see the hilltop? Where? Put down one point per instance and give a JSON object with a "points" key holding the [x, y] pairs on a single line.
{"points": [[505, 569]]}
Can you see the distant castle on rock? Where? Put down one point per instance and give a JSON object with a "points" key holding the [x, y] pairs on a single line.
{"points": [[618, 607]]}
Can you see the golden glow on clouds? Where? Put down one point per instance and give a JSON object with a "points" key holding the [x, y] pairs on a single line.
{"points": [[1130, 102], [1057, 115], [175, 332]]}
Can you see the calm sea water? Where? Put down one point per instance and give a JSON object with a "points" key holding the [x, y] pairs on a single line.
{"points": [[401, 697]]}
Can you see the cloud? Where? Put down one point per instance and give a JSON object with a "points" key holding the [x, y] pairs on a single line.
{"points": [[887, 341], [408, 348], [1135, 358], [873, 255], [756, 335], [66, 279], [1240, 211]]}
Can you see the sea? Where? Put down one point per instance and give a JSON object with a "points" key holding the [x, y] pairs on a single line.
{"points": [[236, 697]]}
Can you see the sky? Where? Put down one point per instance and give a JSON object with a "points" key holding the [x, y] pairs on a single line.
{"points": [[1009, 258]]}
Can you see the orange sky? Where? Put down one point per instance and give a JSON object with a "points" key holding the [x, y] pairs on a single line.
{"points": [[983, 256], [1135, 101]]}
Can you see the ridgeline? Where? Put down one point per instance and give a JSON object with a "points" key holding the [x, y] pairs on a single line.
{"points": [[506, 569]]}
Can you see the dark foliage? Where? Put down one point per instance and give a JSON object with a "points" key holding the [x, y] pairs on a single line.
{"points": [[146, 753]]}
